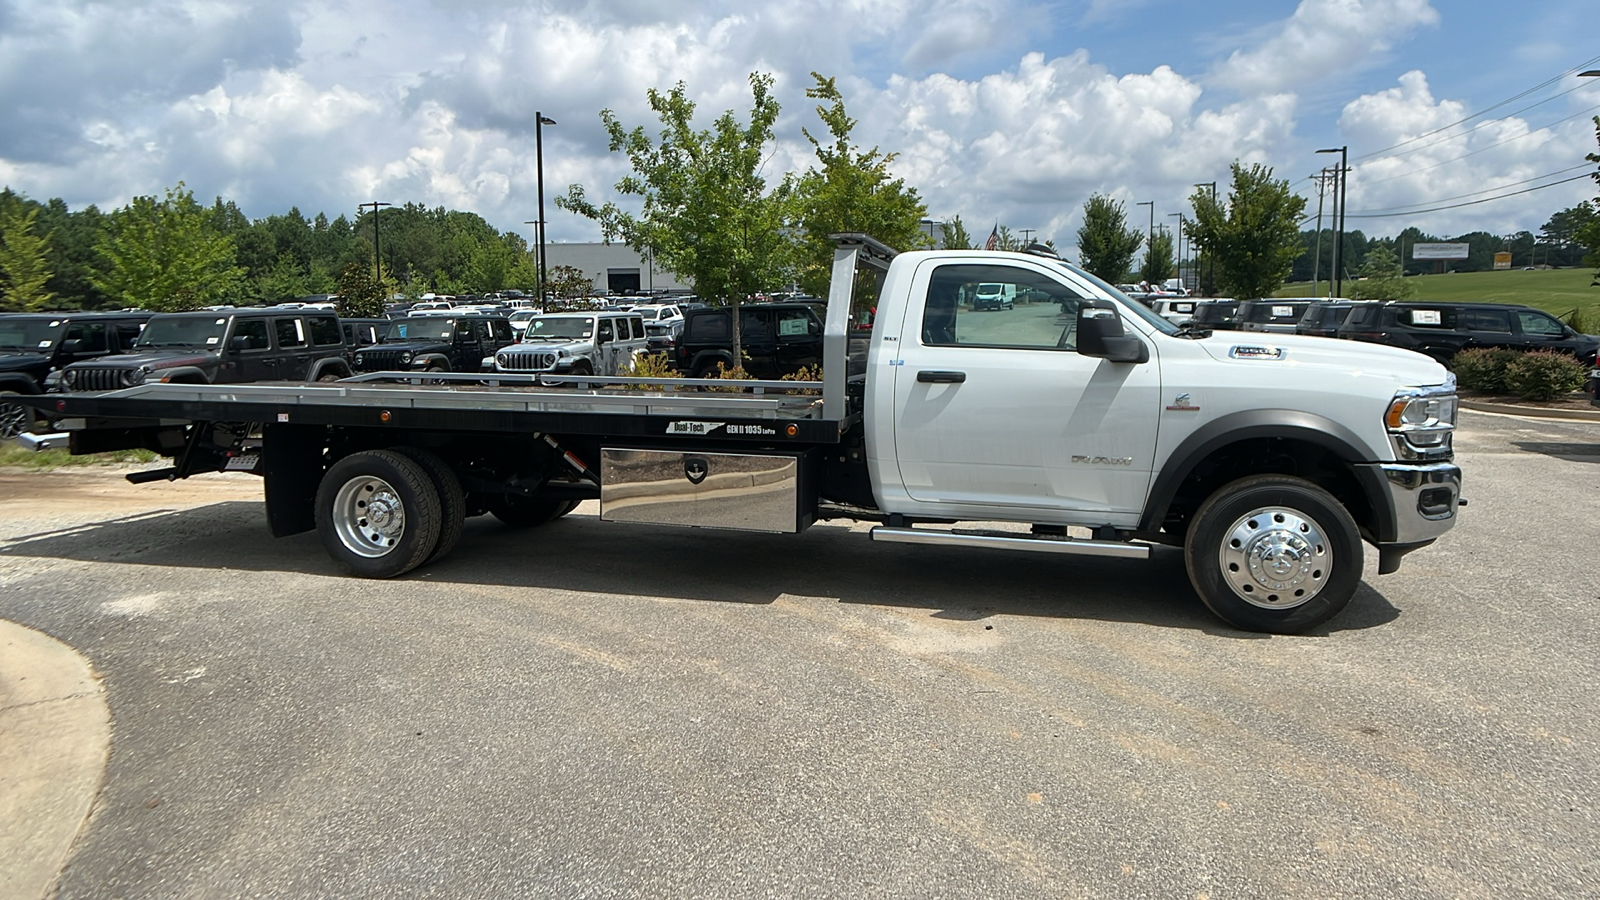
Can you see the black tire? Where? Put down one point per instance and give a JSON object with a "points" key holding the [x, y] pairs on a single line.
{"points": [[14, 417], [411, 513], [582, 368], [1274, 553], [522, 512], [328, 376], [452, 500]]}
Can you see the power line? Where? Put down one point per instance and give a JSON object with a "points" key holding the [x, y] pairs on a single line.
{"points": [[1499, 187], [1418, 212], [1480, 149], [1451, 137], [1512, 99]]}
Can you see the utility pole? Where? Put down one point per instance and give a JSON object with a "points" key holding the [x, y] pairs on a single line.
{"points": [[1026, 234], [539, 121], [1339, 196], [1316, 260], [377, 257]]}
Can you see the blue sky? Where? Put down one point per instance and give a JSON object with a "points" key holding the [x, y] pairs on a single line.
{"points": [[1000, 110]]}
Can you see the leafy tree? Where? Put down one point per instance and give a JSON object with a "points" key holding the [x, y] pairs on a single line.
{"points": [[165, 255], [707, 214], [953, 234], [1382, 277], [849, 190], [1106, 244], [1255, 238], [568, 282], [1589, 234], [24, 267], [361, 294], [1158, 259]]}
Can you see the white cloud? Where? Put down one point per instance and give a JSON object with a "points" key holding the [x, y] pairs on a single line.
{"points": [[1323, 37]]}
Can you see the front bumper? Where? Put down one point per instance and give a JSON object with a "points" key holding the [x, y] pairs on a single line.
{"points": [[1422, 500]]}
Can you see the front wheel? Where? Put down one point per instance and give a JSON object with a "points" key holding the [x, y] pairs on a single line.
{"points": [[378, 513], [1274, 553], [14, 417]]}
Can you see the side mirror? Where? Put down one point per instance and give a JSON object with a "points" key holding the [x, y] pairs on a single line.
{"points": [[239, 343], [71, 345], [1100, 334]]}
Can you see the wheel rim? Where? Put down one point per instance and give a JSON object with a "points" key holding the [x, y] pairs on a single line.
{"points": [[369, 516], [14, 420], [1276, 558]]}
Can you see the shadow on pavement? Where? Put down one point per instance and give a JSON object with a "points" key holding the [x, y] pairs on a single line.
{"points": [[1582, 453], [581, 553]]}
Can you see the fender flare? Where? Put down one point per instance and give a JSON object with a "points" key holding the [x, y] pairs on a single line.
{"points": [[180, 375], [711, 356], [19, 382], [1254, 424], [321, 367], [424, 360]]}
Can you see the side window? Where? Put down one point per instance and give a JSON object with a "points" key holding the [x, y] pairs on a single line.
{"points": [[501, 331], [1539, 323], [90, 335], [1439, 317], [793, 323], [755, 325], [127, 333], [605, 331], [291, 332], [254, 332], [1043, 322], [464, 330], [324, 330], [710, 327], [1497, 321], [638, 329]]}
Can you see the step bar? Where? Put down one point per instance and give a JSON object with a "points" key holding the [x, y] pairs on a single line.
{"points": [[1007, 540]]}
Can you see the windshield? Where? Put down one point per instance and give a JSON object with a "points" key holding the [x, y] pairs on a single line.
{"points": [[183, 331], [1128, 303], [523, 315], [25, 333], [427, 329], [559, 328], [988, 290]]}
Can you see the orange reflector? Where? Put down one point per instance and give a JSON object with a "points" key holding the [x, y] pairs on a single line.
{"points": [[1397, 411], [792, 430], [383, 416]]}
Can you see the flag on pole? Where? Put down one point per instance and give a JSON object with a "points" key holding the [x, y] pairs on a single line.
{"points": [[994, 238]]}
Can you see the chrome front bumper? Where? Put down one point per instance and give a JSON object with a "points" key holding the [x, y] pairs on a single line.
{"points": [[1422, 499]]}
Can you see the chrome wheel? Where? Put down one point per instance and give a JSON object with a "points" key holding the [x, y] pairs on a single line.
{"points": [[1275, 558], [368, 516], [14, 419]]}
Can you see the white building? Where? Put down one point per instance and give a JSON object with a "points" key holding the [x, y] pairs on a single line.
{"points": [[614, 268]]}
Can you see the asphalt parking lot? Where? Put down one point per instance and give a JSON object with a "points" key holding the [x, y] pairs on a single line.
{"points": [[598, 710]]}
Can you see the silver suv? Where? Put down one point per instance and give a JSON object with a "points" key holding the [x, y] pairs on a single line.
{"points": [[597, 343]]}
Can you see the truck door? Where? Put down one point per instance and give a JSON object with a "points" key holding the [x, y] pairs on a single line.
{"points": [[999, 410]]}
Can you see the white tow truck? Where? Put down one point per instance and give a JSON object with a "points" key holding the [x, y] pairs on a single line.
{"points": [[1085, 425]]}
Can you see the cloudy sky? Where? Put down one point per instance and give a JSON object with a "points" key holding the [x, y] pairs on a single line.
{"points": [[1001, 110]]}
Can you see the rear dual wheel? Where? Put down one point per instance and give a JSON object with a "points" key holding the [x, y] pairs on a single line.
{"points": [[382, 513]]}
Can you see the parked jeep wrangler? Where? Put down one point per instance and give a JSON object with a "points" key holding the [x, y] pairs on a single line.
{"points": [[600, 343], [777, 339], [33, 346], [465, 343], [226, 346]]}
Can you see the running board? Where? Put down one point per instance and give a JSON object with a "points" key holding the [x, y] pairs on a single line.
{"points": [[1007, 540]]}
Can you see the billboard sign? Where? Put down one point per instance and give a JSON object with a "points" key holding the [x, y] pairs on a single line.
{"points": [[1439, 251], [1502, 260]]}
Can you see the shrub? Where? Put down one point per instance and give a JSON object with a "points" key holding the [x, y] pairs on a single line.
{"points": [[1544, 375], [737, 373], [1483, 368], [650, 365], [1583, 322], [805, 373]]}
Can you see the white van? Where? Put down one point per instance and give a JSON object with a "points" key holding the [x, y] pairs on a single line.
{"points": [[992, 295]]}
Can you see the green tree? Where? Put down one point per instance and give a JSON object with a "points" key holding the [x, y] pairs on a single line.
{"points": [[165, 255], [1588, 234], [568, 282], [361, 294], [1158, 259], [1255, 237], [24, 265], [1106, 244], [848, 190], [1382, 277], [707, 214], [953, 234]]}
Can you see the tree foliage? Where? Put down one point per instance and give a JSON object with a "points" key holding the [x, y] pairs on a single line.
{"points": [[847, 190], [361, 294], [1159, 259], [165, 255], [24, 264], [1255, 237], [1381, 278], [953, 234], [568, 282], [1106, 244]]}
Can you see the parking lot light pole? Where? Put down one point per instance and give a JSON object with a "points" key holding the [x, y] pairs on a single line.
{"points": [[1183, 285], [377, 257], [539, 121], [1339, 195], [538, 276]]}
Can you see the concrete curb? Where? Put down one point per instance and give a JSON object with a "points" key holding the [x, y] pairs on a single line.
{"points": [[1533, 412], [55, 735]]}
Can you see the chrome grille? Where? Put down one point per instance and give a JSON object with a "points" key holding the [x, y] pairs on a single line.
{"points": [[98, 378], [514, 360]]}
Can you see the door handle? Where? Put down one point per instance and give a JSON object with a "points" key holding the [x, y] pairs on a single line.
{"points": [[931, 377]]}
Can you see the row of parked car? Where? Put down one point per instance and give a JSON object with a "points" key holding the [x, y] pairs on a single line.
{"points": [[1439, 329]]}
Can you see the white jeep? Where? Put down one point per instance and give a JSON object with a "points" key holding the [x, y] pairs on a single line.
{"points": [[589, 343]]}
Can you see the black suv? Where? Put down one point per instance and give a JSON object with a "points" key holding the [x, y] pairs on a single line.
{"points": [[225, 346], [33, 345], [777, 339], [1325, 317], [1278, 316], [1217, 314], [465, 343], [1443, 329]]}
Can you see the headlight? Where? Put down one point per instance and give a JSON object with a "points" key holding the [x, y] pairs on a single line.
{"points": [[405, 357], [360, 359], [132, 377], [70, 378], [1420, 421]]}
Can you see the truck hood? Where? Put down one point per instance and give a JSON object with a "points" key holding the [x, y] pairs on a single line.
{"points": [[155, 359], [1345, 357], [12, 360], [414, 347], [571, 346]]}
